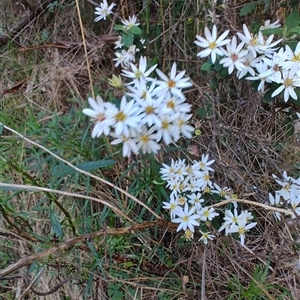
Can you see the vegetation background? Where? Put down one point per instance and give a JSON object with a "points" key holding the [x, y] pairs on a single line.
{"points": [[81, 222]]}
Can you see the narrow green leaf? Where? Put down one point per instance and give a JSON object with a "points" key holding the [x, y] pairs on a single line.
{"points": [[55, 222], [87, 166], [213, 82], [96, 256], [247, 9], [267, 32]]}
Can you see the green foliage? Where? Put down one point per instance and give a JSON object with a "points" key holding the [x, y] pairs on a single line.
{"points": [[257, 288], [114, 291], [248, 8], [128, 36]]}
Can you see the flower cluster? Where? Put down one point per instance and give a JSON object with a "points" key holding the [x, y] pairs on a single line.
{"points": [[124, 54], [255, 55], [237, 223], [288, 196], [152, 110], [191, 187]]}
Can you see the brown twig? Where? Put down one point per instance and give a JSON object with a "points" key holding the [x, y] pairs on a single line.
{"points": [[70, 243]]}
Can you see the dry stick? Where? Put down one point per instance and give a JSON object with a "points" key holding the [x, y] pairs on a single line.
{"points": [[42, 189], [203, 275], [267, 207], [85, 49], [32, 283], [70, 243], [84, 172]]}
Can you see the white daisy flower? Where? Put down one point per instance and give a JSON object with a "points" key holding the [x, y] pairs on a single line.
{"points": [[174, 83], [211, 43], [186, 218], [103, 11]]}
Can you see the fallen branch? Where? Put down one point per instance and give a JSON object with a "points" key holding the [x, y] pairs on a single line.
{"points": [[70, 243]]}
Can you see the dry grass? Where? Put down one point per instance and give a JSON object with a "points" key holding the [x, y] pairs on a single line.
{"points": [[238, 131]]}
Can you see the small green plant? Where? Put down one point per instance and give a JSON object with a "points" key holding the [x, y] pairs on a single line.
{"points": [[257, 289]]}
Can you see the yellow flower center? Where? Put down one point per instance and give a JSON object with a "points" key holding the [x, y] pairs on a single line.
{"points": [[242, 230], [206, 177], [165, 125], [181, 200], [181, 186], [188, 234], [144, 95], [173, 206], [138, 74], [185, 219], [206, 213], [253, 42], [206, 190], [145, 138], [288, 82], [171, 83], [296, 57], [149, 110], [212, 45], [223, 193], [120, 117], [171, 104]]}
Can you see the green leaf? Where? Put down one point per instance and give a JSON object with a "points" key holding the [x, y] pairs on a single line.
{"points": [[292, 20], [289, 127], [217, 66], [267, 32], [206, 66], [127, 39], [213, 83], [254, 27], [267, 6], [115, 291], [55, 222], [295, 30], [135, 30], [120, 28], [87, 166], [279, 147], [267, 96], [247, 9]]}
